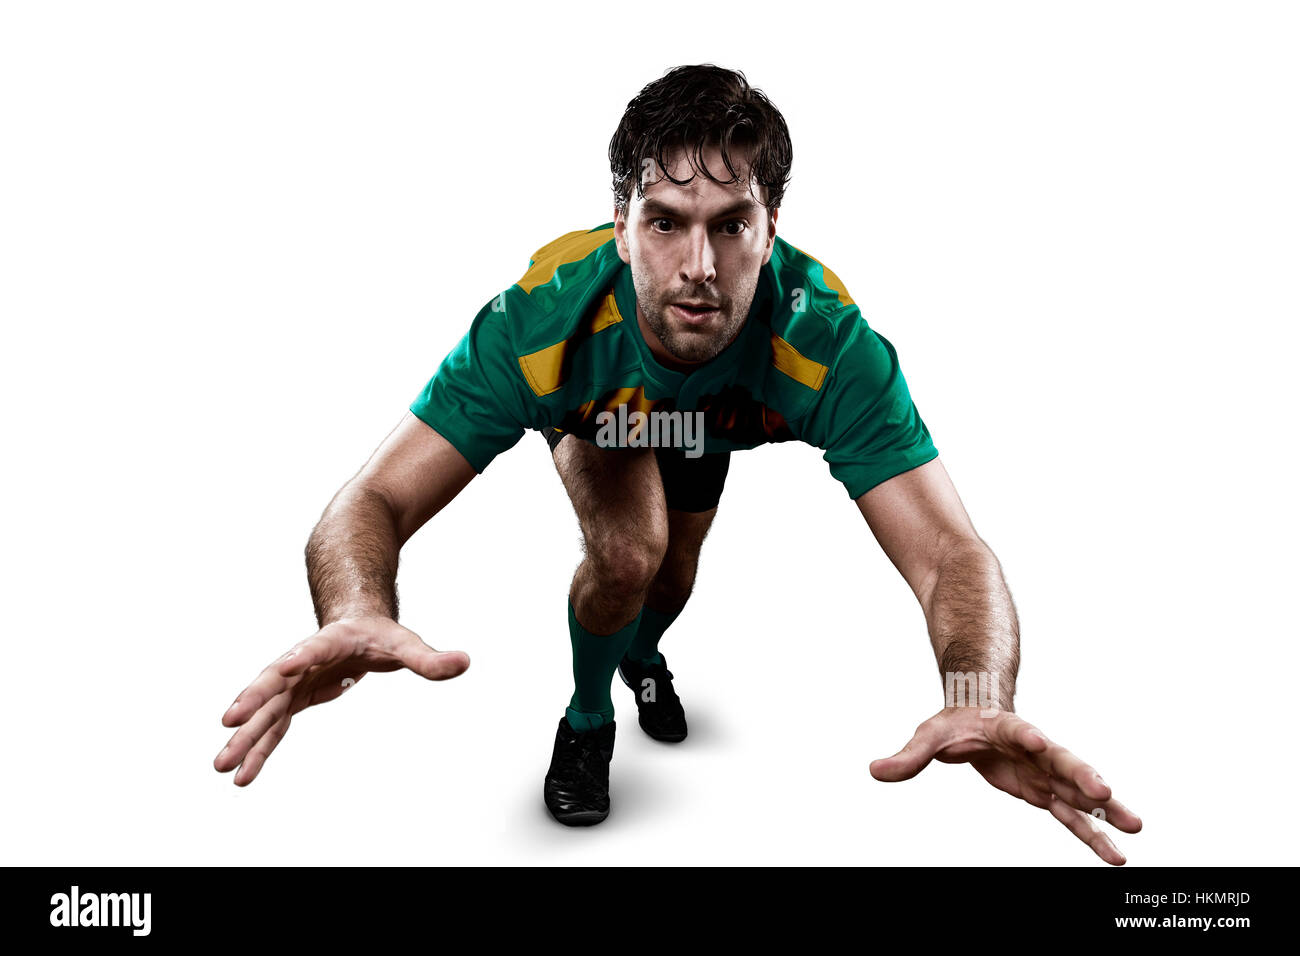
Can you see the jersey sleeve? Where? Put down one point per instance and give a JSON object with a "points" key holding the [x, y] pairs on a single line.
{"points": [[865, 418], [478, 399]]}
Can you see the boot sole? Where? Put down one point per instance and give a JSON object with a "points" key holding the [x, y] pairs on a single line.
{"points": [[666, 738], [580, 818]]}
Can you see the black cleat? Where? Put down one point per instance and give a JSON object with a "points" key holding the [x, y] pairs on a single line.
{"points": [[577, 784], [659, 711]]}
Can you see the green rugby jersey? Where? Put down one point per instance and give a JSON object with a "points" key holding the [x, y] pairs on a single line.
{"points": [[562, 345]]}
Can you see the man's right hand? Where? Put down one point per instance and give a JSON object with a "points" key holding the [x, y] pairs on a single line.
{"points": [[317, 670]]}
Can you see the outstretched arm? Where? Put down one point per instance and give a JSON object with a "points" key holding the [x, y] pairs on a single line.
{"points": [[352, 553], [920, 522], [352, 558]]}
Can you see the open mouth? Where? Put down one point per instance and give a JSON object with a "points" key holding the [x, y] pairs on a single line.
{"points": [[695, 313]]}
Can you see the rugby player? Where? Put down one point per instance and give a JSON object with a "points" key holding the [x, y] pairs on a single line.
{"points": [[686, 309]]}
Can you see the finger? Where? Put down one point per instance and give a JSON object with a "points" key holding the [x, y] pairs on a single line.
{"points": [[256, 758], [1066, 767], [1068, 777], [1121, 817], [1017, 736], [251, 732], [1016, 733], [285, 672], [929, 739], [323, 647], [270, 683], [1108, 811], [407, 649], [429, 663], [1036, 797], [1081, 825]]}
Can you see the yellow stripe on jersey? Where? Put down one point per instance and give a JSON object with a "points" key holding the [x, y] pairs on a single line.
{"points": [[606, 315], [803, 370], [570, 247], [544, 369], [633, 398], [832, 280]]}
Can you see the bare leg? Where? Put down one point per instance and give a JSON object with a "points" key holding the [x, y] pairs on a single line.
{"points": [[618, 495], [675, 581], [619, 499]]}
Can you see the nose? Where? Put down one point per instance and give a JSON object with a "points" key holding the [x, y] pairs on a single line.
{"points": [[698, 265]]}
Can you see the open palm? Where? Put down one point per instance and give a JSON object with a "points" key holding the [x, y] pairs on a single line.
{"points": [[317, 670], [1019, 759]]}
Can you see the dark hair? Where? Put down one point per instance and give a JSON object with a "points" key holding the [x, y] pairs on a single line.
{"points": [[691, 108]]}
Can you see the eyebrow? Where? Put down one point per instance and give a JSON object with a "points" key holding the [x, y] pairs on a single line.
{"points": [[658, 207]]}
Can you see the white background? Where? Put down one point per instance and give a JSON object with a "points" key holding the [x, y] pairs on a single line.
{"points": [[236, 239]]}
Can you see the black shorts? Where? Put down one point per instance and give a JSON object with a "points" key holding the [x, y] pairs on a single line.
{"points": [[690, 484]]}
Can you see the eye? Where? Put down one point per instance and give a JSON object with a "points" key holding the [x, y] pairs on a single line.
{"points": [[739, 223], [655, 222]]}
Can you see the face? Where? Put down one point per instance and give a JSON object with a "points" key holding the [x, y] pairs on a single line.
{"points": [[695, 252]]}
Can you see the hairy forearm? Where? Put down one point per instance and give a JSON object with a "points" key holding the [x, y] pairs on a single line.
{"points": [[352, 557], [973, 625]]}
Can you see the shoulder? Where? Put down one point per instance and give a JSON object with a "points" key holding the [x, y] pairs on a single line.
{"points": [[815, 322], [565, 279], [564, 296], [570, 248]]}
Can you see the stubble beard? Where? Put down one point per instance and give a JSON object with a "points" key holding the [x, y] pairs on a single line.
{"points": [[688, 345]]}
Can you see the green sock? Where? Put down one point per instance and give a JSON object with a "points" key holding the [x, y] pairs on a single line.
{"points": [[595, 658], [645, 646]]}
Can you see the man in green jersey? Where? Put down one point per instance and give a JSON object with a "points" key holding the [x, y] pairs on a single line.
{"points": [[646, 350]]}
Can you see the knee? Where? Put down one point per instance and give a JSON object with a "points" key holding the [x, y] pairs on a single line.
{"points": [[627, 562], [672, 585]]}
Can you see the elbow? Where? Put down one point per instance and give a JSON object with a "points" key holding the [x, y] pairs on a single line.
{"points": [[363, 504]]}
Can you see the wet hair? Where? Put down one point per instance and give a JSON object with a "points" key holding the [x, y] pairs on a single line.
{"points": [[693, 108]]}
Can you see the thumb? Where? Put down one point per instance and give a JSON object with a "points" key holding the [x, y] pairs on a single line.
{"points": [[430, 663], [913, 758]]}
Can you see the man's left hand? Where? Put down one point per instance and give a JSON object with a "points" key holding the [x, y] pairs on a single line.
{"points": [[1017, 757]]}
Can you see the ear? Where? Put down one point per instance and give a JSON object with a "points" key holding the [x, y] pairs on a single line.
{"points": [[771, 235], [620, 235]]}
